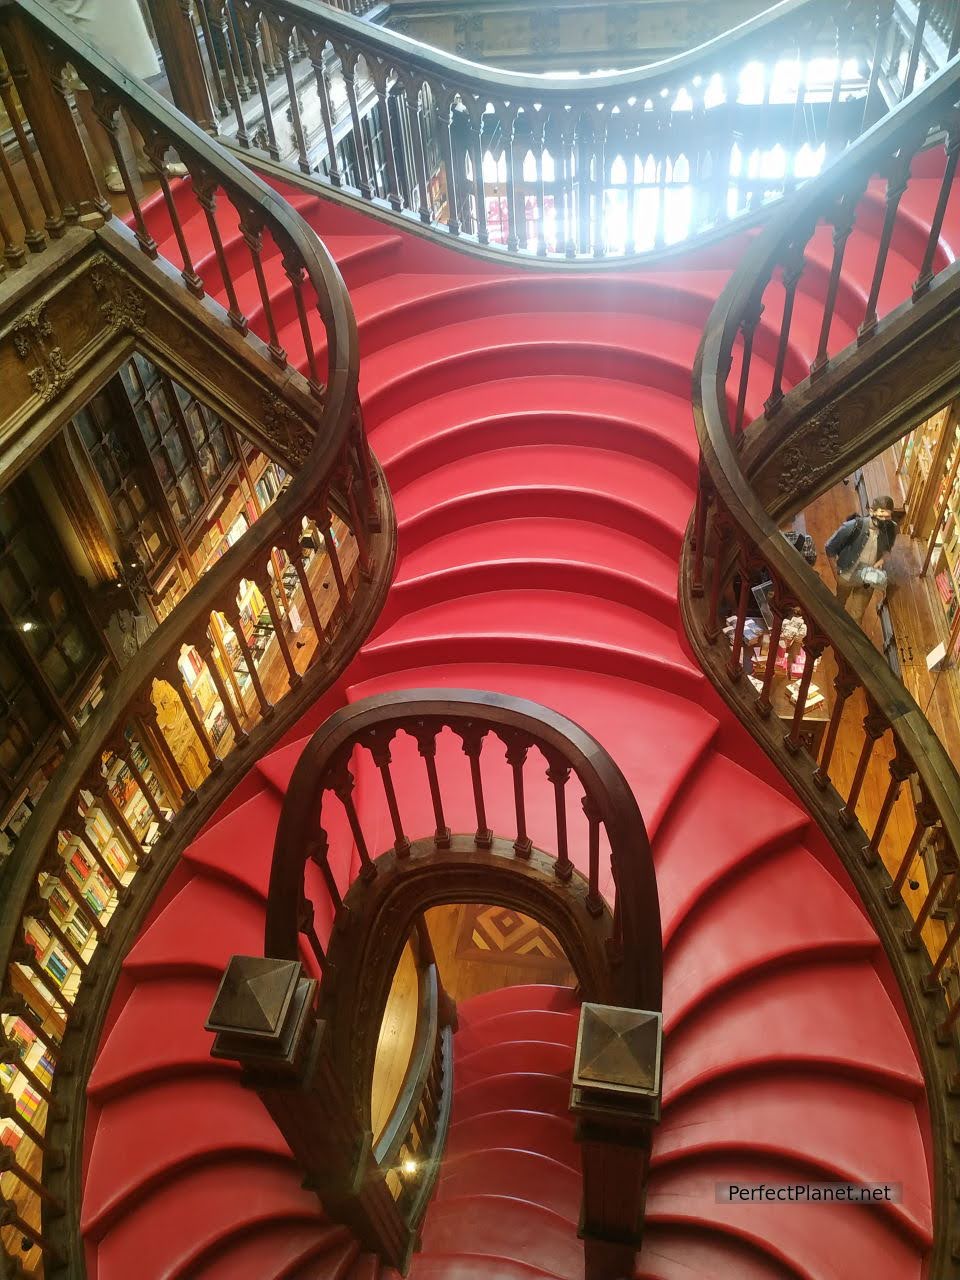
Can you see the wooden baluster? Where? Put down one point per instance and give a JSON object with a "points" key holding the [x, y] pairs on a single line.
{"points": [[306, 923], [662, 125], [388, 132], [722, 529], [792, 270], [318, 851], [35, 909], [583, 145], [316, 45], [516, 755], [444, 116], [476, 111], [630, 158], [883, 20], [704, 499], [16, 1006], [594, 901], [248, 83], [10, 1056], [54, 221], [294, 270], [271, 60], [215, 79], [748, 327], [96, 856], [266, 590], [900, 770], [954, 45], [946, 866], [926, 817], [205, 188], [254, 44], [845, 683], [566, 128], [813, 648], [24, 954], [170, 672], [40, 87], [176, 35], [323, 637], [414, 94], [735, 661], [844, 38], [472, 737], [342, 783], [124, 753], [952, 154], [14, 252], [931, 980], [513, 125], [842, 226], [348, 61], [541, 228], [33, 237], [798, 130], [558, 774], [8, 1110], [349, 479], [155, 148], [282, 32], [426, 736], [148, 713], [380, 750], [923, 12], [763, 704], [231, 611], [8, 1164], [875, 726], [53, 866], [323, 524], [251, 228], [105, 801], [205, 648], [236, 89], [896, 186], [107, 111]]}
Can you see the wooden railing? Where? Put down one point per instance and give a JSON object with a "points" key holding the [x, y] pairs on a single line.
{"points": [[776, 431], [524, 809], [80, 858], [570, 166]]}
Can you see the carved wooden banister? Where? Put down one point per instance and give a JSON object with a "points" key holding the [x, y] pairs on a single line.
{"points": [[577, 166], [149, 767], [504, 801], [776, 431]]}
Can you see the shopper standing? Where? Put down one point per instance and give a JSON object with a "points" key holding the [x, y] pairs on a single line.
{"points": [[858, 552]]}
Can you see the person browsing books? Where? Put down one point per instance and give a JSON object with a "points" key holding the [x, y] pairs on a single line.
{"points": [[858, 552]]}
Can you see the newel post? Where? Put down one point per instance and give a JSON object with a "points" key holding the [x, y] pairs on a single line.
{"points": [[615, 1100], [177, 37], [264, 1017]]}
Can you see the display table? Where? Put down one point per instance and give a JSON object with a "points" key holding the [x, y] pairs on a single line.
{"points": [[815, 720]]}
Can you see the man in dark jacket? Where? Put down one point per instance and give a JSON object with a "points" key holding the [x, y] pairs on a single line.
{"points": [[860, 546]]}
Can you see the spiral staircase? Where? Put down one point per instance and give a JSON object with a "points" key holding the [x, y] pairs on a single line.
{"points": [[533, 424]]}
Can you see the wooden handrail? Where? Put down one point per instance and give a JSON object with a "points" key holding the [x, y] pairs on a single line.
{"points": [[439, 115], [82, 853], [771, 439]]}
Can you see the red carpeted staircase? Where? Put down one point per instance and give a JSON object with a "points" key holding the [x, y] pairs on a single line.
{"points": [[536, 432]]}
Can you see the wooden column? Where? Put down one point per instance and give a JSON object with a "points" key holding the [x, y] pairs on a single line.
{"points": [[177, 38]]}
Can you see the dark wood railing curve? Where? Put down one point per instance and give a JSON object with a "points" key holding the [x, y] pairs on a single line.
{"points": [[586, 167], [756, 398], [146, 731], [372, 724]]}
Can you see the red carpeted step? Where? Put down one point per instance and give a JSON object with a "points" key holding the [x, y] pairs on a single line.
{"points": [[281, 1251], [503, 1227], [528, 1024], [550, 1135], [529, 995], [522, 1175], [515, 1056], [523, 1091]]}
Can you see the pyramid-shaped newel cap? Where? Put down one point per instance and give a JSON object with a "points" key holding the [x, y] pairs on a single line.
{"points": [[254, 996], [618, 1059]]}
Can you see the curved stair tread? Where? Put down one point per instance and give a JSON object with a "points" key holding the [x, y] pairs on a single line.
{"points": [[518, 1024], [277, 1251], [725, 816], [509, 1171], [545, 1132], [238, 846], [651, 413], [689, 1252], [847, 1133], [596, 469], [514, 1055], [154, 1133], [522, 995], [159, 1033], [811, 1240], [835, 1018], [519, 1091], [199, 1212], [754, 920], [207, 922], [500, 1226], [464, 1266]]}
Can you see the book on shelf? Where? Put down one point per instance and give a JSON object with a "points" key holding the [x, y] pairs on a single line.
{"points": [[28, 1100]]}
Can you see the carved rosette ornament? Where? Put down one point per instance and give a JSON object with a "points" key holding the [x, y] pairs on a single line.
{"points": [[286, 429], [33, 339], [811, 454], [120, 304]]}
